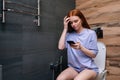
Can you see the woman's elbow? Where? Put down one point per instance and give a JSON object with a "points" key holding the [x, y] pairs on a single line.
{"points": [[60, 47], [93, 56]]}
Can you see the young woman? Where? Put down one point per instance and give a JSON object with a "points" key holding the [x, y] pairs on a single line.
{"points": [[80, 52]]}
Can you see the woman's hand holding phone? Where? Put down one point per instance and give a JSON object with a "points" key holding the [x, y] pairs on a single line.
{"points": [[76, 45]]}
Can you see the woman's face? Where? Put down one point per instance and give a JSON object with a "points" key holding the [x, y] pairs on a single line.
{"points": [[76, 23]]}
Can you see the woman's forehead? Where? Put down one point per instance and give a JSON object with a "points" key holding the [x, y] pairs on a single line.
{"points": [[74, 18]]}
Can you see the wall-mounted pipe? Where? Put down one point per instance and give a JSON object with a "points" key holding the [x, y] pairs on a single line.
{"points": [[3, 12], [38, 12], [0, 72]]}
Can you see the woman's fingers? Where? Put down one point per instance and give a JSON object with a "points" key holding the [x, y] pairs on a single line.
{"points": [[76, 45], [66, 19]]}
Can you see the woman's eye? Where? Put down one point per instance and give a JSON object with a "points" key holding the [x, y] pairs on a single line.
{"points": [[76, 21], [70, 22]]}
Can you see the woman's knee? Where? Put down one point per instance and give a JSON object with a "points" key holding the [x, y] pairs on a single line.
{"points": [[77, 78], [67, 74], [61, 77]]}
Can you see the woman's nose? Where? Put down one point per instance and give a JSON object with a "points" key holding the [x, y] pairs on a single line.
{"points": [[73, 24]]}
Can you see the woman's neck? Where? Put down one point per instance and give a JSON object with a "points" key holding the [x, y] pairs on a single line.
{"points": [[80, 30]]}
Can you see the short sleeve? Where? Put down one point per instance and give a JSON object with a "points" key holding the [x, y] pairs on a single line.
{"points": [[93, 43]]}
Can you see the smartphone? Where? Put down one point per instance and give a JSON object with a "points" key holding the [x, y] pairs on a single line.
{"points": [[70, 42]]}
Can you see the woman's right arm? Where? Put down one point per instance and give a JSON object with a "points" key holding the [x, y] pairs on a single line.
{"points": [[61, 44]]}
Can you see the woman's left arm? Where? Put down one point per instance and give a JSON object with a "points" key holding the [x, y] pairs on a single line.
{"points": [[88, 52], [92, 49]]}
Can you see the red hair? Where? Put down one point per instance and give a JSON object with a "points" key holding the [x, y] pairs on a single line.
{"points": [[76, 12]]}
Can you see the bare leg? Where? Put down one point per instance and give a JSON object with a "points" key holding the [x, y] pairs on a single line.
{"points": [[67, 74], [86, 75]]}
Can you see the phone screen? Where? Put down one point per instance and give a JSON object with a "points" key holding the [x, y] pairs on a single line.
{"points": [[71, 42]]}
